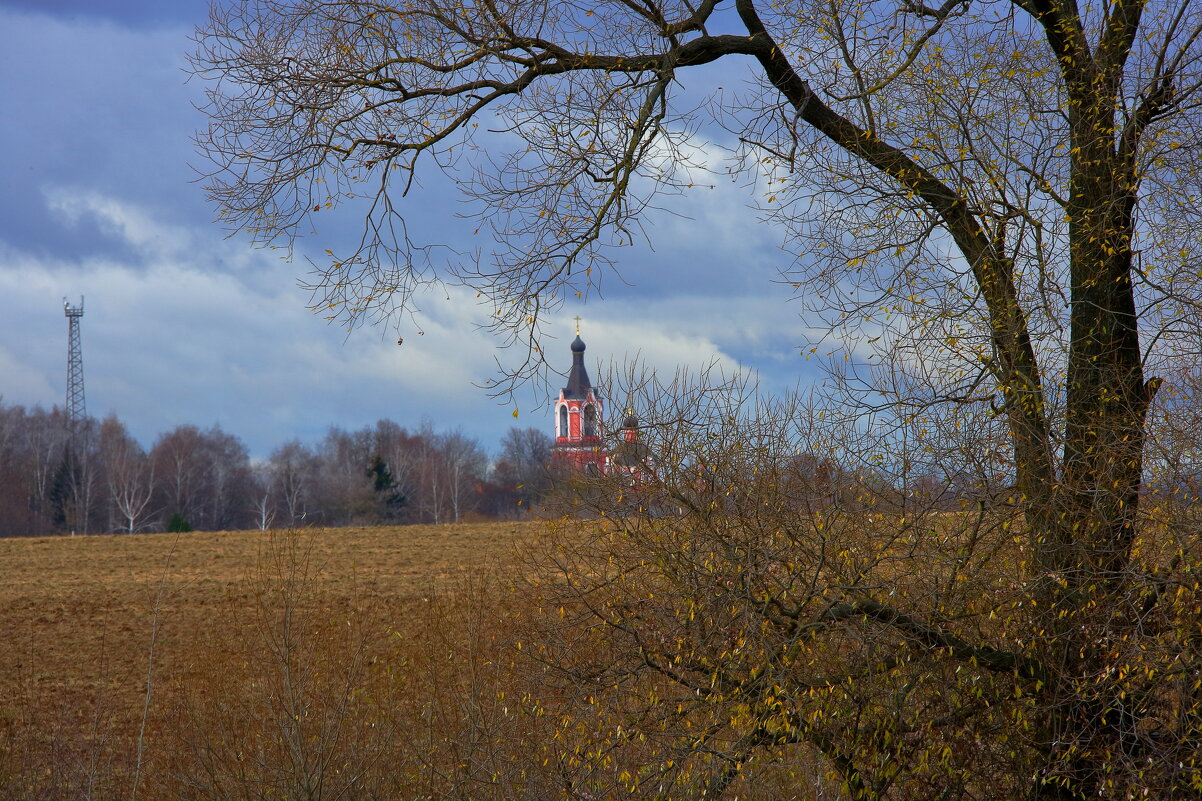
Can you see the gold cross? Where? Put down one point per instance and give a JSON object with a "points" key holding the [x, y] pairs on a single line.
{"points": [[577, 325]]}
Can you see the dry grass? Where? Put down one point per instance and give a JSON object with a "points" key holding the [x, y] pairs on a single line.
{"points": [[77, 616]]}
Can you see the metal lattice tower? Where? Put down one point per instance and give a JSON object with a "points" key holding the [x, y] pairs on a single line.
{"points": [[77, 408]]}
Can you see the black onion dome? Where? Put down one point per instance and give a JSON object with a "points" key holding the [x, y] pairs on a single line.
{"points": [[631, 421], [578, 383]]}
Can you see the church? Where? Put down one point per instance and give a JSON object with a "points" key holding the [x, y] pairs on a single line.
{"points": [[580, 441]]}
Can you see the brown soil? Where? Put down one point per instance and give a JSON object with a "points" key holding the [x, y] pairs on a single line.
{"points": [[78, 616]]}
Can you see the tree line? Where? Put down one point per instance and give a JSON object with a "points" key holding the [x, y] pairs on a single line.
{"points": [[98, 478]]}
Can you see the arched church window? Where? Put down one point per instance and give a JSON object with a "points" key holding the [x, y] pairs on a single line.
{"points": [[590, 421], [564, 431]]}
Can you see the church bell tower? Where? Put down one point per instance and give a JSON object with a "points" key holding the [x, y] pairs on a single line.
{"points": [[579, 420]]}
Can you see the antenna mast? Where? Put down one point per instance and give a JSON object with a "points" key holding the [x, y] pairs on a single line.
{"points": [[77, 410]]}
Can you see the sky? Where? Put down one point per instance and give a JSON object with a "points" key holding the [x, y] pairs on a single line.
{"points": [[184, 324]]}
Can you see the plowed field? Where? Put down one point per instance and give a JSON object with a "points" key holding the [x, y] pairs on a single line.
{"points": [[86, 621]]}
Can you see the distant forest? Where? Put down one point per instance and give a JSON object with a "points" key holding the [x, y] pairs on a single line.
{"points": [[101, 480]]}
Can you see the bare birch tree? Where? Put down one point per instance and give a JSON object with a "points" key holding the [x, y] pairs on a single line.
{"points": [[129, 476]]}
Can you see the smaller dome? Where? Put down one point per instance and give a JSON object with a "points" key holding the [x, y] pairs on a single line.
{"points": [[631, 421], [578, 345]]}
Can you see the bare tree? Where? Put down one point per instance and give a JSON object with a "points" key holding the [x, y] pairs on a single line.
{"points": [[229, 483], [18, 515], [202, 476], [45, 443], [51, 479], [344, 493], [264, 496], [175, 458], [129, 476], [465, 463], [292, 470], [523, 466], [996, 199]]}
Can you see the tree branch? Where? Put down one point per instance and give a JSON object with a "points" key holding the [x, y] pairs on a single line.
{"points": [[931, 637]]}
